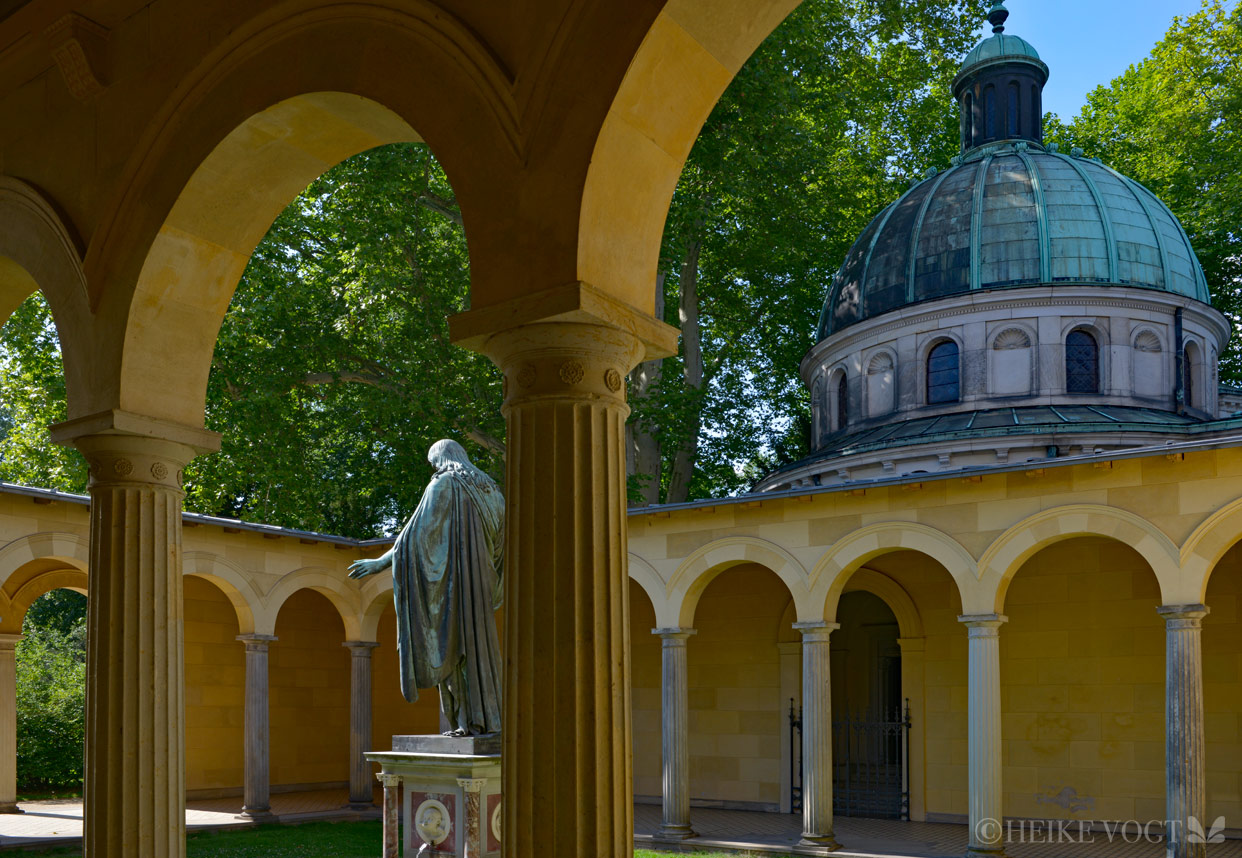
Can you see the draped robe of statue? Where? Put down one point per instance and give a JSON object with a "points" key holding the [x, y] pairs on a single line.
{"points": [[446, 573]]}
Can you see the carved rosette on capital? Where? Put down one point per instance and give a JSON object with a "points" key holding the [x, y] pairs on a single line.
{"points": [[582, 362]]}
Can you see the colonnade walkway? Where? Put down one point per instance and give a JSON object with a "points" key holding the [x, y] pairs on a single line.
{"points": [[59, 823], [778, 833]]}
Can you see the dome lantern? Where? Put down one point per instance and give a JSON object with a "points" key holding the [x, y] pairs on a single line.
{"points": [[999, 89]]}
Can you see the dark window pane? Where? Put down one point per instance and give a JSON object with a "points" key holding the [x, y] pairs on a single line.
{"points": [[1013, 110], [970, 121], [989, 102], [843, 403], [1082, 363], [1188, 370], [943, 374]]}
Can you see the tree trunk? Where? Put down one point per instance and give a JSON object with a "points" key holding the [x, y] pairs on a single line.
{"points": [[642, 447], [687, 454]]}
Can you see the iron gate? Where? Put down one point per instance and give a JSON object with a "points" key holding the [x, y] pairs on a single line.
{"points": [[870, 764]]}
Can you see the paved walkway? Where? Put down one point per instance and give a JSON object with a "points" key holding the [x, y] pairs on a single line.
{"points": [[776, 834], [59, 823]]}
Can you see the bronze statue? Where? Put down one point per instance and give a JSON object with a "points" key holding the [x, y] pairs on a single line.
{"points": [[446, 574]]}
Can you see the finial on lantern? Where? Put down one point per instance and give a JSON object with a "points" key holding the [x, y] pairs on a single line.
{"points": [[998, 16]]}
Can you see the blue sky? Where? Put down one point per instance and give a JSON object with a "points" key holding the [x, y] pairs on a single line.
{"points": [[1089, 42]]}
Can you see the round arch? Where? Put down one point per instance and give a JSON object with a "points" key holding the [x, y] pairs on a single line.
{"points": [[231, 580], [68, 548], [17, 603], [1204, 549], [645, 576], [687, 59], [701, 568], [1005, 556], [846, 556], [38, 253], [888, 591], [323, 581], [374, 603], [190, 208]]}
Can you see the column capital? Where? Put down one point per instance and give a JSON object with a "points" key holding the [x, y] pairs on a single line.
{"points": [[388, 779], [912, 644], [1183, 616], [361, 649], [9, 641], [472, 784], [127, 449], [256, 642], [983, 625], [674, 637], [573, 302], [816, 632]]}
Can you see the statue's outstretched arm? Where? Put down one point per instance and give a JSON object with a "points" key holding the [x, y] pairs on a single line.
{"points": [[363, 568]]}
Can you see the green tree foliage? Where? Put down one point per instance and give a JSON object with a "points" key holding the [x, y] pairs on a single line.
{"points": [[832, 118], [51, 693], [32, 395], [1174, 123], [333, 371]]}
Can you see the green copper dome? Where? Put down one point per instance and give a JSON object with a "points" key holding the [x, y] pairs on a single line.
{"points": [[1013, 215], [1010, 212]]}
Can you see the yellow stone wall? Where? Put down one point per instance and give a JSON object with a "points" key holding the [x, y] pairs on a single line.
{"points": [[1082, 667], [645, 669], [215, 689], [391, 715], [309, 694], [1222, 692], [734, 683]]}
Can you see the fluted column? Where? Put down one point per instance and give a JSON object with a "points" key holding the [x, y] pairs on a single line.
{"points": [[8, 723], [567, 735], [256, 791], [984, 732], [135, 692], [1185, 789], [675, 738], [817, 833], [360, 782]]}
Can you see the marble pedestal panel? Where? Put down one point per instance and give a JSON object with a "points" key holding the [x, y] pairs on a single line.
{"points": [[450, 798]]}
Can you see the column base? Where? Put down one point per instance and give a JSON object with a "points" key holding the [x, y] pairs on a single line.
{"points": [[10, 807], [264, 815], [984, 852], [674, 833], [360, 805], [816, 845]]}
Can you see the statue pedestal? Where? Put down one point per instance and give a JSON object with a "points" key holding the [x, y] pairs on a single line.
{"points": [[450, 795]]}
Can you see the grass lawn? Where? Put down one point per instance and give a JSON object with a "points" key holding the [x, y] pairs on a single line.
{"points": [[312, 840]]}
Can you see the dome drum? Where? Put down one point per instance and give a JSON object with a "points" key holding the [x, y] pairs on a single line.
{"points": [[1012, 350]]}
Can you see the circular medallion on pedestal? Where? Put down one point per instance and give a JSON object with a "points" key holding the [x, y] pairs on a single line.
{"points": [[496, 822], [432, 822]]}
